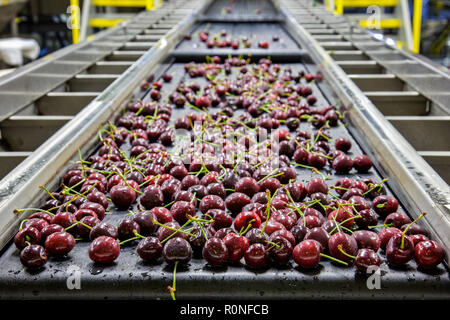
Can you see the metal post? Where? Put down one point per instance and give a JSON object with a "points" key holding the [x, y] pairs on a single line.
{"points": [[417, 25]]}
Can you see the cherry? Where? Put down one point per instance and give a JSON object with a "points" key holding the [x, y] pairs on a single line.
{"points": [[263, 44], [414, 229], [386, 234], [39, 224], [104, 249], [128, 228], [103, 229], [177, 250], [152, 197], [247, 185], [41, 216], [397, 254], [271, 184], [33, 256], [342, 163], [383, 205], [221, 233], [397, 219], [98, 197], [342, 144], [316, 185], [86, 224], [96, 207], [149, 249], [189, 181], [203, 102], [215, 252], [217, 189], [366, 258], [416, 238], [221, 219], [166, 231], [211, 202], [280, 249], [26, 236], [256, 256], [64, 219], [285, 234], [307, 253], [181, 210], [81, 213], [310, 222], [199, 190], [286, 175], [48, 230], [59, 243], [320, 235], [162, 214], [367, 239], [256, 236], [362, 163], [428, 254], [348, 244], [368, 218], [145, 221], [167, 77], [299, 232], [343, 216], [236, 245], [236, 201], [271, 226]]}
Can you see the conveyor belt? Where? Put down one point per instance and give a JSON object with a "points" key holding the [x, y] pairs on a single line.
{"points": [[130, 277]]}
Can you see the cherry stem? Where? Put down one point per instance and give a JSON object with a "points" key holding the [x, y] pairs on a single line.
{"points": [[249, 225], [19, 211], [378, 185], [334, 259], [274, 244], [345, 253], [174, 229], [173, 288], [130, 239], [402, 244]]}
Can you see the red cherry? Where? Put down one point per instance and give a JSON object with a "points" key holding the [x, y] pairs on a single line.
{"points": [[428, 254]]}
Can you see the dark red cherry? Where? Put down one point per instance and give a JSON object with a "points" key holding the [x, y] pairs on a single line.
{"points": [[348, 244], [221, 219], [307, 253], [177, 250], [299, 232], [59, 243], [366, 258], [342, 163], [211, 202], [162, 214], [145, 221], [104, 249], [368, 218], [36, 223], [64, 219], [164, 232], [33, 256], [416, 238], [217, 189], [316, 185], [384, 205], [86, 222], [128, 228], [281, 252], [367, 239], [399, 252], [48, 230], [256, 256], [247, 185], [245, 219], [414, 229], [236, 245], [152, 197], [103, 229], [149, 249], [236, 201], [181, 210], [215, 252], [96, 207], [428, 254], [26, 236], [397, 219], [386, 234], [320, 235], [362, 163], [342, 144]]}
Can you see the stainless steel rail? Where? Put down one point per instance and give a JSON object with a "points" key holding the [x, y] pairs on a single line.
{"points": [[417, 185], [63, 83], [21, 186]]}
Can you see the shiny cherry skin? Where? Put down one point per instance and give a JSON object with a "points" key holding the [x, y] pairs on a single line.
{"points": [[236, 201], [342, 144], [428, 254], [397, 219], [342, 163], [247, 185], [367, 239], [386, 234], [33, 256], [362, 163], [177, 250], [368, 218], [122, 196], [181, 210], [104, 250], [244, 219], [281, 252], [384, 205], [414, 229], [366, 258], [416, 238], [348, 244], [85, 222], [236, 245], [320, 235], [145, 221], [96, 207], [36, 223], [149, 249], [272, 226], [64, 219], [211, 202], [299, 232], [256, 256], [164, 233], [162, 214], [128, 228], [255, 236], [59, 243], [26, 236], [221, 219], [215, 252], [103, 229], [48, 230], [395, 253], [152, 197], [307, 253], [316, 185]]}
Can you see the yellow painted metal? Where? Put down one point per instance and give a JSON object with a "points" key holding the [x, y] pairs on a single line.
{"points": [[384, 23], [104, 23], [150, 5], [120, 3], [75, 19], [417, 24], [368, 3]]}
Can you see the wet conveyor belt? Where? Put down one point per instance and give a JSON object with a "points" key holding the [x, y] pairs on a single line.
{"points": [[130, 277]]}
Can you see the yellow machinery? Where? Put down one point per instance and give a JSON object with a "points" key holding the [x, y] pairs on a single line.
{"points": [[374, 18]]}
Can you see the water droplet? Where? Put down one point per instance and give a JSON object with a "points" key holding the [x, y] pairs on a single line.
{"points": [[96, 270]]}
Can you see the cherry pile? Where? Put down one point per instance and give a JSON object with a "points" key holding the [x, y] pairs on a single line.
{"points": [[230, 195]]}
